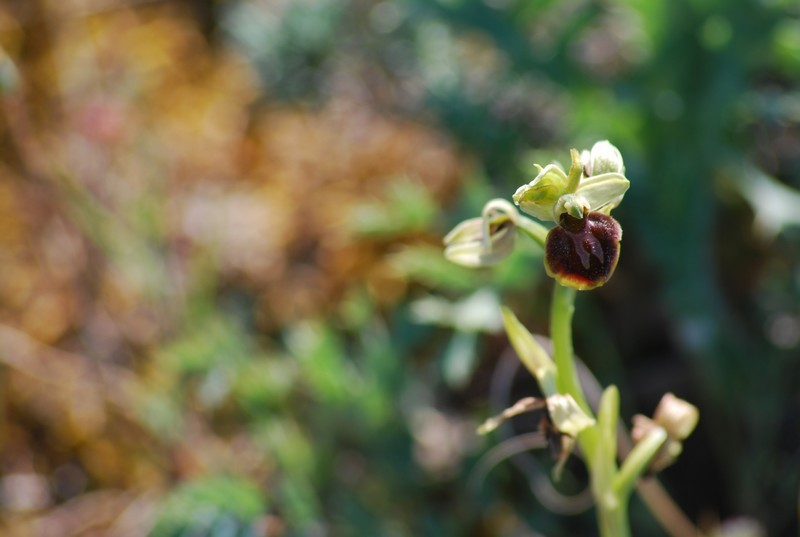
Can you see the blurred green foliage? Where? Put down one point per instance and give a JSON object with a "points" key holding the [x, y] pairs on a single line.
{"points": [[218, 506]]}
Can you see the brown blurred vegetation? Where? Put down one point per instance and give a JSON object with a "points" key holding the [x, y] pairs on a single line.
{"points": [[136, 172]]}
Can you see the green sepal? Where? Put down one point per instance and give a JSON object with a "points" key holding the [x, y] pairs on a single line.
{"points": [[538, 197]]}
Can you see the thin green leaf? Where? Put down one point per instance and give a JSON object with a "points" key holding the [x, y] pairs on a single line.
{"points": [[531, 353]]}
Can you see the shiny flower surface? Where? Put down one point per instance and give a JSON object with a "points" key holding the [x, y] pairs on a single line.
{"points": [[583, 252]]}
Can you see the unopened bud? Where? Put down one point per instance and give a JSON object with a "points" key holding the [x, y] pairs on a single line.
{"points": [[605, 158], [483, 241], [678, 417]]}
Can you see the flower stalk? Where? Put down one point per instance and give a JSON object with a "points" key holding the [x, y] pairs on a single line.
{"points": [[581, 253], [561, 310]]}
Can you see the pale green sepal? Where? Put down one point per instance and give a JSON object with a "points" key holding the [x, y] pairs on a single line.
{"points": [[531, 353], [603, 191], [468, 230], [474, 255], [538, 197], [567, 416]]}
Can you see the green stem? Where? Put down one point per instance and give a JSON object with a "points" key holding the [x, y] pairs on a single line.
{"points": [[613, 520], [611, 487], [612, 508], [532, 229], [638, 460], [604, 462], [561, 311]]}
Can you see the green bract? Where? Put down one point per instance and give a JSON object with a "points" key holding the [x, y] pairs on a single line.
{"points": [[531, 353], [567, 415], [553, 193]]}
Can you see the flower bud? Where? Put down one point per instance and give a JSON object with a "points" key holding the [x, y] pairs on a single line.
{"points": [[468, 245], [596, 182], [583, 252], [642, 425], [605, 158], [678, 417]]}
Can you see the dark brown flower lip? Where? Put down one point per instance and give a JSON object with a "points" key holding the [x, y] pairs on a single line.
{"points": [[583, 252]]}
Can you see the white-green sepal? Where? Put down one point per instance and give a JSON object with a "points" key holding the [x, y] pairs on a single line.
{"points": [[603, 192]]}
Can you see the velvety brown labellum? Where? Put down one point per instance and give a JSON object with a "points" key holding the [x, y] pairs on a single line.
{"points": [[583, 252]]}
